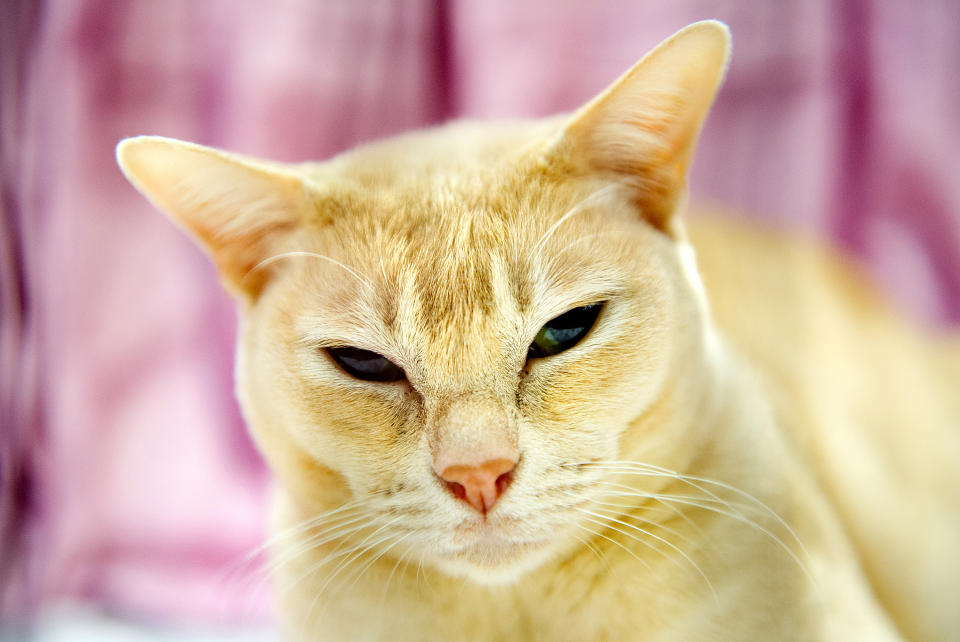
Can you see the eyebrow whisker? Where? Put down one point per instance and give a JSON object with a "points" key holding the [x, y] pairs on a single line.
{"points": [[324, 257]]}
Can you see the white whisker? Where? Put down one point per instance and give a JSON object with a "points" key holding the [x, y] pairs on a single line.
{"points": [[336, 529], [644, 469], [618, 544], [578, 207], [324, 257], [588, 545], [613, 509], [332, 520], [350, 557], [342, 534], [403, 557], [690, 479], [656, 537], [583, 239], [373, 561]]}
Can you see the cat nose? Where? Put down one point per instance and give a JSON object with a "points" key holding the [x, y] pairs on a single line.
{"points": [[480, 485]]}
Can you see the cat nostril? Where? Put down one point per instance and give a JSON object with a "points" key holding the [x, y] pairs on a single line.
{"points": [[503, 481], [457, 489]]}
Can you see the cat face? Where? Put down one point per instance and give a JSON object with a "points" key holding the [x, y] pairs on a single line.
{"points": [[450, 278], [444, 254]]}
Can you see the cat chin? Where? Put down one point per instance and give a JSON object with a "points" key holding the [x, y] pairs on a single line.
{"points": [[496, 564]]}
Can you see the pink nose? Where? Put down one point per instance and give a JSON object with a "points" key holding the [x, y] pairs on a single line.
{"points": [[481, 485]]}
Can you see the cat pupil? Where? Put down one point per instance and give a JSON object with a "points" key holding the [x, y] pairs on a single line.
{"points": [[564, 331], [564, 335], [366, 365]]}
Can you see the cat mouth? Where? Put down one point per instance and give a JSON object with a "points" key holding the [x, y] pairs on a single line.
{"points": [[492, 540], [493, 556], [491, 550]]}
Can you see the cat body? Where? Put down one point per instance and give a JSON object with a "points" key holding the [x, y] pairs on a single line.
{"points": [[710, 459]]}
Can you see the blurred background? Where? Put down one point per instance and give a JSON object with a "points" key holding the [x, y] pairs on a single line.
{"points": [[129, 486]]}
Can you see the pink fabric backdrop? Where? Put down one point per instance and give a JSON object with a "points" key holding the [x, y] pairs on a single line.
{"points": [[128, 479]]}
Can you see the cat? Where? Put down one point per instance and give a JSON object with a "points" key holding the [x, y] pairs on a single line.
{"points": [[509, 391]]}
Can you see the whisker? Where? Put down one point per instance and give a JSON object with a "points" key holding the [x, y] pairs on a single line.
{"points": [[665, 505], [420, 567], [626, 515], [589, 545], [373, 561], [582, 239], [616, 543], [324, 257], [665, 501], [327, 520], [333, 532], [690, 479], [656, 537], [288, 532], [631, 468], [331, 519], [639, 468], [630, 491], [403, 557], [578, 207], [338, 552], [349, 557], [359, 550], [354, 556]]}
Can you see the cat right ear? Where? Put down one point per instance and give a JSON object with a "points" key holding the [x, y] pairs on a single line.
{"points": [[643, 129], [239, 210]]}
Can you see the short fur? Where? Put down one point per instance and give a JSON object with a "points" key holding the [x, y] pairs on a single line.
{"points": [[782, 463]]}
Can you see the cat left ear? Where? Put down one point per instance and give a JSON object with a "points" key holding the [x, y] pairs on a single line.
{"points": [[240, 211], [643, 128]]}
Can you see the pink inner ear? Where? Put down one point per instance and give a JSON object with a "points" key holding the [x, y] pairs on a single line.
{"points": [[238, 209], [644, 127], [244, 261]]}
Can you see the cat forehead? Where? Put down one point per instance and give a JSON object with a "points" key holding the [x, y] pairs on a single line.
{"points": [[454, 261], [444, 259], [466, 238], [477, 185], [463, 237], [455, 169]]}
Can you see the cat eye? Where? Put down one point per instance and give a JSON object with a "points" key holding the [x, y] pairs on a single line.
{"points": [[564, 331], [366, 365]]}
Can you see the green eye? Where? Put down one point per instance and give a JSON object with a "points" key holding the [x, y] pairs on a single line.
{"points": [[564, 332], [366, 365]]}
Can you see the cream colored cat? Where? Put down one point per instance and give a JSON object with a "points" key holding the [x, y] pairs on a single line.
{"points": [[482, 365]]}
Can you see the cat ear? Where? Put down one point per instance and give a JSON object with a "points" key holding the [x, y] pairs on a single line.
{"points": [[644, 127], [239, 210]]}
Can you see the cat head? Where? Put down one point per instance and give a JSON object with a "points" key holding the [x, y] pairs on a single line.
{"points": [[448, 328]]}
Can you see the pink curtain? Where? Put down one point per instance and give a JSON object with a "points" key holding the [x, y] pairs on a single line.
{"points": [[128, 478]]}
